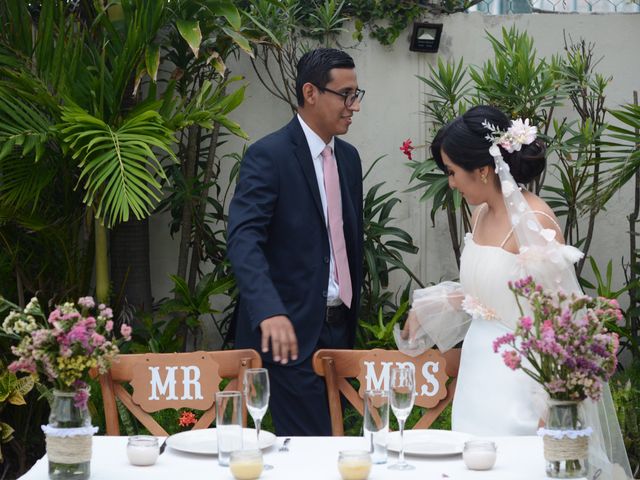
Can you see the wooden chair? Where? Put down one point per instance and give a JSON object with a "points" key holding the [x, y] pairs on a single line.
{"points": [[144, 373], [337, 366]]}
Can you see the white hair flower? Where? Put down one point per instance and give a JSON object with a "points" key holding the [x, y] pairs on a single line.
{"points": [[518, 134]]}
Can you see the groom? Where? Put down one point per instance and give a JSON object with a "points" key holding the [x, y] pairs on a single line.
{"points": [[295, 241]]}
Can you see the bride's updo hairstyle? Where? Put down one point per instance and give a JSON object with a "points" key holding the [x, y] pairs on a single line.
{"points": [[465, 143]]}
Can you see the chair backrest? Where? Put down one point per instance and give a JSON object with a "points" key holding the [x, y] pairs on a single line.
{"points": [[172, 380], [371, 367]]}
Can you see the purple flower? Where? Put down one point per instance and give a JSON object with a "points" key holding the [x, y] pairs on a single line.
{"points": [[81, 398]]}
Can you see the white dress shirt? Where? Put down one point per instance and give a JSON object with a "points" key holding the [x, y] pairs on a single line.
{"points": [[316, 146]]}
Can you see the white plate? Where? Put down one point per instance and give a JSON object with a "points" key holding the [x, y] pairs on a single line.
{"points": [[205, 441], [429, 442]]}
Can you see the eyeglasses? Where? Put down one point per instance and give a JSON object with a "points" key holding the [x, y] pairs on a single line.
{"points": [[349, 98]]}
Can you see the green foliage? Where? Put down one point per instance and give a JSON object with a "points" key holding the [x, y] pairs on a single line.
{"points": [[387, 20], [380, 334], [625, 388], [384, 246], [603, 287], [515, 80], [12, 391], [193, 304], [118, 167]]}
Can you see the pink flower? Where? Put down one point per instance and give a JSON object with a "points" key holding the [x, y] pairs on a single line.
{"points": [[526, 323], [97, 339], [106, 313], [125, 331], [507, 338], [406, 148], [109, 326], [86, 302], [511, 359], [55, 315]]}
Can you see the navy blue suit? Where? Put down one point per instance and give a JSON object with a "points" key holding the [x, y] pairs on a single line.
{"points": [[279, 250]]}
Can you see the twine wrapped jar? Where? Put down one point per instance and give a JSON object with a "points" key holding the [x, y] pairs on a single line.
{"points": [[566, 440], [68, 436]]}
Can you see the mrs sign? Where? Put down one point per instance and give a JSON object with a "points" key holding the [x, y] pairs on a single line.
{"points": [[435, 379], [430, 368]]}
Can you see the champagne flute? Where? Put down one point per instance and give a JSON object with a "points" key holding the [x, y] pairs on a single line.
{"points": [[256, 394], [402, 395]]}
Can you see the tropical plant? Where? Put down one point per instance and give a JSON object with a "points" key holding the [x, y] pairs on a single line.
{"points": [[13, 389], [384, 247], [74, 122], [625, 389], [192, 305]]}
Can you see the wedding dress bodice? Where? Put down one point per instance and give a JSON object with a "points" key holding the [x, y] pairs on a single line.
{"points": [[490, 398], [484, 274]]}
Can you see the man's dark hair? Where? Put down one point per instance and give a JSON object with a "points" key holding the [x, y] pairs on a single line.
{"points": [[314, 66]]}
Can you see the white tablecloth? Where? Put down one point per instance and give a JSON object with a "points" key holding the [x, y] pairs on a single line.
{"points": [[309, 458]]}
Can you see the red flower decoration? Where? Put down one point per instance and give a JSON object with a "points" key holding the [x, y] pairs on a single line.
{"points": [[187, 418], [407, 148]]}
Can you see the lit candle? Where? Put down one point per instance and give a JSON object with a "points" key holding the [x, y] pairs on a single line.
{"points": [[246, 464], [354, 464], [479, 454], [142, 450]]}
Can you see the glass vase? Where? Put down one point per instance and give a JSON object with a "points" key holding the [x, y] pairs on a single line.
{"points": [[69, 456], [566, 440]]}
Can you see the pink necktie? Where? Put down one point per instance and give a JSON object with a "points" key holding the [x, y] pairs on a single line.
{"points": [[336, 232]]}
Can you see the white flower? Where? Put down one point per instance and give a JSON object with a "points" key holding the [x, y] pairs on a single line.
{"points": [[475, 309], [521, 133]]}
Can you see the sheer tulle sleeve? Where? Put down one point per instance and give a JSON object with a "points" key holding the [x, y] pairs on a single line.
{"points": [[436, 318]]}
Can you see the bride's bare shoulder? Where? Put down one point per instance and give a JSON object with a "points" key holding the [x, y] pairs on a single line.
{"points": [[543, 212]]}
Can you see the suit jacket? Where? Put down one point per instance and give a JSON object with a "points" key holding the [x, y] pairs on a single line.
{"points": [[278, 242]]}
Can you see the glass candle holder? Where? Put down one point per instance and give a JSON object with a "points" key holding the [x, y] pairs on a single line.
{"points": [[479, 454], [143, 450], [246, 464], [354, 464]]}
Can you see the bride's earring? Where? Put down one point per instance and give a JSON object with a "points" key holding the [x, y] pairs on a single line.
{"points": [[483, 178]]}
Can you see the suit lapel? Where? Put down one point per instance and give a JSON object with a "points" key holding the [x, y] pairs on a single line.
{"points": [[306, 162]]}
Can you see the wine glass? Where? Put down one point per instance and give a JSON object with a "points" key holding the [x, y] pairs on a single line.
{"points": [[402, 395], [256, 394]]}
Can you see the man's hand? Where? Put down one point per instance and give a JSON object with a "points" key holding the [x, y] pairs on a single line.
{"points": [[284, 343]]}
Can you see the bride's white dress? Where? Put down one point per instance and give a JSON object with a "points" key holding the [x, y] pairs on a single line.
{"points": [[490, 398]]}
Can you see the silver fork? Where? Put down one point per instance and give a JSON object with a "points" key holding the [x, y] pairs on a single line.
{"points": [[285, 445]]}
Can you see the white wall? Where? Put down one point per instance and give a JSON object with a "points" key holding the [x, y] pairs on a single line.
{"points": [[391, 112]]}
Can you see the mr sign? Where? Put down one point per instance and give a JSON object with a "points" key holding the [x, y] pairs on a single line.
{"points": [[431, 377], [185, 381]]}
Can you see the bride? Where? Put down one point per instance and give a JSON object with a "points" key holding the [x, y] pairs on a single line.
{"points": [[514, 234]]}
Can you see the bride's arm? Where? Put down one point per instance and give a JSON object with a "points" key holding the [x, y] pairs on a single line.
{"points": [[436, 317]]}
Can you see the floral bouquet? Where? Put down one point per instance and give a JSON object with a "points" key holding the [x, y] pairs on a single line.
{"points": [[65, 346], [566, 344]]}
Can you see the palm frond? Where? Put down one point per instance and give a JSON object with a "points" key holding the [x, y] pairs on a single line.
{"points": [[119, 169]]}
